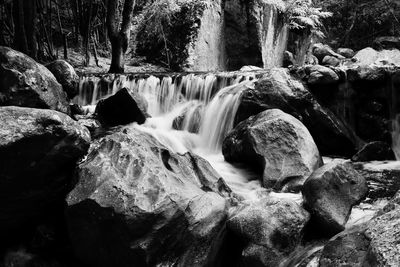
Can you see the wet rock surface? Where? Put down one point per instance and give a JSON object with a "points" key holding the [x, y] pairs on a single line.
{"points": [[270, 229], [66, 76], [125, 106], [278, 89], [38, 153], [330, 193], [374, 243], [138, 203], [278, 145], [383, 178], [26, 83], [321, 75]]}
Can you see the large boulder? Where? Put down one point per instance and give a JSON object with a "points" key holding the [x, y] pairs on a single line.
{"points": [[330, 193], [375, 243], [26, 83], [138, 204], [66, 76], [368, 56], [278, 89], [277, 144], [125, 106], [38, 152], [270, 230]]}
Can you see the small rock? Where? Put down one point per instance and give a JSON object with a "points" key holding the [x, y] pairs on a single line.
{"points": [[320, 51], [322, 75], [331, 192], [189, 119], [330, 61], [288, 59], [346, 52], [122, 108], [387, 42], [383, 178]]}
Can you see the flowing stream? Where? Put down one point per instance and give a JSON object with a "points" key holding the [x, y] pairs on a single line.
{"points": [[206, 102], [207, 105]]}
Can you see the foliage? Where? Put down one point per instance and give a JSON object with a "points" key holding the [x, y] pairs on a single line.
{"points": [[302, 14], [165, 29], [356, 23]]}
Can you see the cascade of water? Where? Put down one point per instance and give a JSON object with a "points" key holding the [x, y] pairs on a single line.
{"points": [[207, 103], [220, 114]]}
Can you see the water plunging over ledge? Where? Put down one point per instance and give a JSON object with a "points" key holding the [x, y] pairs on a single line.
{"points": [[208, 101]]}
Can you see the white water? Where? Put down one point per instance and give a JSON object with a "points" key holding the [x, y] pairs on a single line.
{"points": [[214, 98]]}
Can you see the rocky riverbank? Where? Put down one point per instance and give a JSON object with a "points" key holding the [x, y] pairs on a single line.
{"points": [[126, 185]]}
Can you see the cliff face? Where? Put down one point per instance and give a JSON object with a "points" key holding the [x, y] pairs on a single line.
{"points": [[206, 51], [206, 35], [255, 34]]}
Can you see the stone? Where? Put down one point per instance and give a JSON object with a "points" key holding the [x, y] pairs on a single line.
{"points": [[125, 106], [387, 42], [321, 50], [276, 88], [141, 205], [39, 149], [374, 151], [370, 73], [369, 56], [330, 193], [66, 76], [346, 249], [375, 243], [26, 83], [383, 178], [288, 59], [346, 52], [270, 228], [276, 144], [330, 61], [189, 119], [322, 75]]}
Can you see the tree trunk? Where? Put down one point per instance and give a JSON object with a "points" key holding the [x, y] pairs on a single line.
{"points": [[119, 38], [20, 41], [117, 59]]}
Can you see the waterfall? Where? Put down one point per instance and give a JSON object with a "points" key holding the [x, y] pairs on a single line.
{"points": [[206, 101], [206, 104]]}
